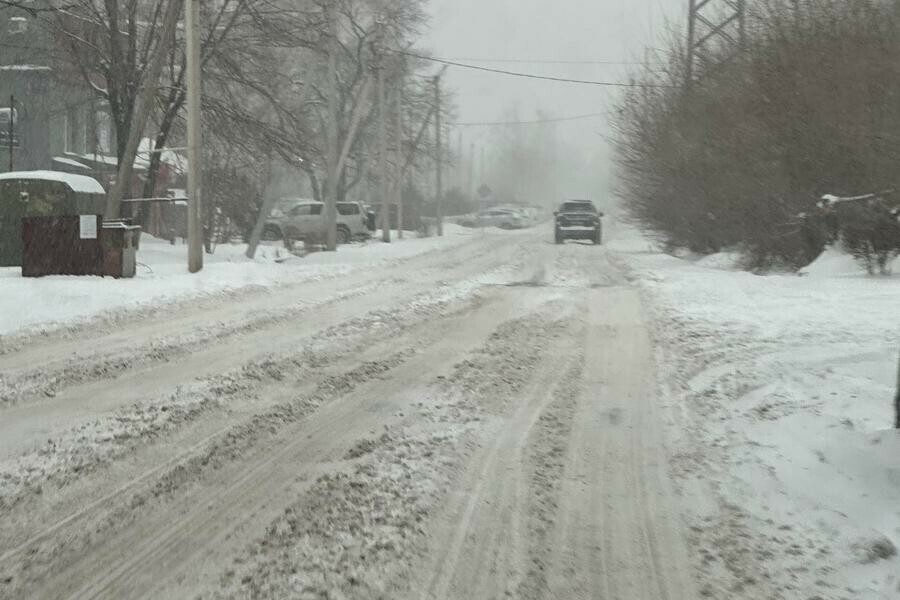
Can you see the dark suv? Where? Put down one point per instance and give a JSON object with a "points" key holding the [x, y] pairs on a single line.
{"points": [[578, 220]]}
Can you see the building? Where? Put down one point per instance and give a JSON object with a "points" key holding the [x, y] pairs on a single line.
{"points": [[50, 118]]}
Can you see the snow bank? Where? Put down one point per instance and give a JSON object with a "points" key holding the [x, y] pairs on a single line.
{"points": [[782, 387], [834, 262], [162, 277], [725, 261]]}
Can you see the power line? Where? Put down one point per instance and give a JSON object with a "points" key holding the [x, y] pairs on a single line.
{"points": [[535, 122], [548, 62], [531, 76]]}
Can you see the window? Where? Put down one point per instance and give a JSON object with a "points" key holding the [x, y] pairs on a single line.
{"points": [[578, 207], [103, 134], [302, 210], [75, 132], [17, 25], [348, 208], [4, 117]]}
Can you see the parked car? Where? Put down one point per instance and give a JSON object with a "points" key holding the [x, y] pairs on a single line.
{"points": [[305, 220], [578, 220], [504, 218]]}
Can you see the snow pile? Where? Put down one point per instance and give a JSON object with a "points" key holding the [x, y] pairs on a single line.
{"points": [[162, 277], [834, 262], [724, 261], [780, 391]]}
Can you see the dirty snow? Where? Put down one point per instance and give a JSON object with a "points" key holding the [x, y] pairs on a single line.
{"points": [[162, 277], [781, 388]]}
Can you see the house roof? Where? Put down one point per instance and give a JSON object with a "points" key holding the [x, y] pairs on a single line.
{"points": [[70, 163]]}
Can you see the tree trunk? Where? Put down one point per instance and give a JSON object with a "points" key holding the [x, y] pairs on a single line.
{"points": [[313, 182], [141, 111], [256, 234]]}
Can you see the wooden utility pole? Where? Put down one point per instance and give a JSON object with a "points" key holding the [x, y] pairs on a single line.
{"points": [[439, 155], [482, 168], [12, 129], [470, 184], [195, 150], [460, 174], [398, 167], [332, 141], [383, 175]]}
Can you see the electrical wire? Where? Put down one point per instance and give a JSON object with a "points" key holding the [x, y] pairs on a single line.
{"points": [[547, 62], [530, 75], [535, 122]]}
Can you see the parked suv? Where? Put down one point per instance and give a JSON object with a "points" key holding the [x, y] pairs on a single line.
{"points": [[305, 220], [578, 220]]}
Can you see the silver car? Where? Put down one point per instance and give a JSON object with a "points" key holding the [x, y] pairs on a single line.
{"points": [[305, 220], [504, 218]]}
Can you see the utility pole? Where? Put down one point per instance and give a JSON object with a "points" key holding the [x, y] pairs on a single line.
{"points": [[460, 174], [195, 169], [12, 129], [439, 154], [712, 22], [482, 169], [383, 174], [332, 142], [398, 167], [470, 189]]}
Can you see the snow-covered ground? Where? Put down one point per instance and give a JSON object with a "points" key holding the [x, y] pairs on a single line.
{"points": [[780, 395], [162, 277]]}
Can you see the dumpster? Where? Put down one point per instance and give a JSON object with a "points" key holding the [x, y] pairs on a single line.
{"points": [[65, 245], [79, 245], [120, 240], [26, 194]]}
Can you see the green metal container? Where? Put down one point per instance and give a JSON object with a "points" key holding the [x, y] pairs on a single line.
{"points": [[42, 194]]}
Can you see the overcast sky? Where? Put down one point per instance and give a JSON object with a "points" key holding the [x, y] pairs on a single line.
{"points": [[563, 30]]}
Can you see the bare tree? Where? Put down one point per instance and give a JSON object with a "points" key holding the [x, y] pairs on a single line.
{"points": [[805, 108]]}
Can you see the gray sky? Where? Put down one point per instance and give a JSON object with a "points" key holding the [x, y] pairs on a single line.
{"points": [[573, 30]]}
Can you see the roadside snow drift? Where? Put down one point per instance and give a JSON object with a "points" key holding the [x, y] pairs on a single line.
{"points": [[782, 387], [162, 277]]}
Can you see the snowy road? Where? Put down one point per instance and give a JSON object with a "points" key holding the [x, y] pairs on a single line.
{"points": [[475, 422]]}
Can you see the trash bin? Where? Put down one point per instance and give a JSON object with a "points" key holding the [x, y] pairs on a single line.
{"points": [[61, 245], [120, 240], [26, 194], [79, 245]]}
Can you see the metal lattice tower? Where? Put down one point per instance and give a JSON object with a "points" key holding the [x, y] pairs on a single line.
{"points": [[712, 25]]}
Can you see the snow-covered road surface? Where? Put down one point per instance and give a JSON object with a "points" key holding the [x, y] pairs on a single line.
{"points": [[476, 422]]}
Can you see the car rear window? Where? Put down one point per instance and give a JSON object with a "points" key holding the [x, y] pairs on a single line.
{"points": [[306, 209], [348, 208], [578, 207]]}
